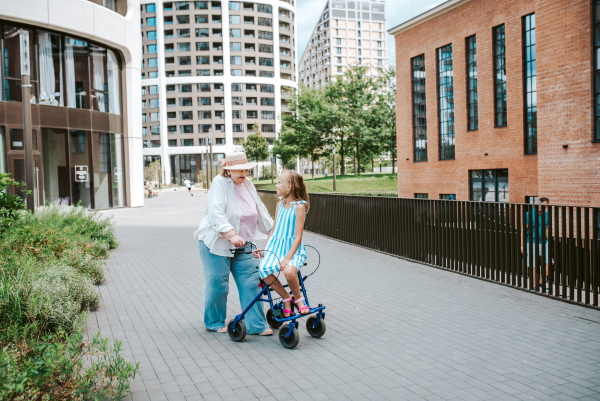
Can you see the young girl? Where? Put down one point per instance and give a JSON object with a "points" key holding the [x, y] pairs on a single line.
{"points": [[284, 249]]}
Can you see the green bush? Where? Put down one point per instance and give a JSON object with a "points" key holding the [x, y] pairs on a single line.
{"points": [[50, 264], [65, 368], [10, 205]]}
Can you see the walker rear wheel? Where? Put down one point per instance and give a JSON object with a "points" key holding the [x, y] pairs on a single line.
{"points": [[240, 330], [271, 320], [291, 341], [317, 331]]}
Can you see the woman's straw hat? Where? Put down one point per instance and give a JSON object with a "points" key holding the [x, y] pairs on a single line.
{"points": [[236, 161]]}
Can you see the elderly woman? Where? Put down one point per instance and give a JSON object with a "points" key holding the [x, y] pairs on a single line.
{"points": [[233, 214]]}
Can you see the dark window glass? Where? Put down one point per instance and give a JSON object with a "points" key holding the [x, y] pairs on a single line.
{"points": [[183, 19], [267, 127], [201, 5], [202, 33], [186, 129], [489, 185], [185, 101], [448, 196], [267, 101], [500, 118], [419, 112], [202, 46], [182, 5], [263, 8], [446, 102], [201, 19], [530, 85], [421, 196], [472, 105]]}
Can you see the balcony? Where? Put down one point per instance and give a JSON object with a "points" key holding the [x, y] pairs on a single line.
{"points": [[118, 6]]}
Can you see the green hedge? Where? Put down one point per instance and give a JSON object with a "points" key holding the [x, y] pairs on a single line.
{"points": [[51, 264]]}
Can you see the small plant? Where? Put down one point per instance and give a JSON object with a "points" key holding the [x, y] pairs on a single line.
{"points": [[11, 206], [65, 368]]}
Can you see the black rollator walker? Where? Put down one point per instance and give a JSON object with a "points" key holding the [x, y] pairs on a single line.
{"points": [[288, 335]]}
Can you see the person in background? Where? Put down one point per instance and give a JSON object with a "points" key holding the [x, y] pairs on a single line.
{"points": [[533, 235], [188, 185], [326, 172]]}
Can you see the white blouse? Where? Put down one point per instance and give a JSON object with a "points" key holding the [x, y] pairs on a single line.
{"points": [[223, 214]]}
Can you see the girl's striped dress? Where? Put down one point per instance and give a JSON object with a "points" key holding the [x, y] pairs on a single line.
{"points": [[281, 242]]}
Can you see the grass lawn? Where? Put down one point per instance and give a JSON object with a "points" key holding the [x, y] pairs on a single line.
{"points": [[368, 182]]}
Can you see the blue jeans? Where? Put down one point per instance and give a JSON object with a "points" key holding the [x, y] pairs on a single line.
{"points": [[216, 287]]}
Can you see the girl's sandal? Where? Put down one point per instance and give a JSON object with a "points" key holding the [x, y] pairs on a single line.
{"points": [[289, 312], [303, 307], [221, 330]]}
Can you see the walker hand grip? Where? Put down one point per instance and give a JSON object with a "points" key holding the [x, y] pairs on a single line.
{"points": [[247, 249]]}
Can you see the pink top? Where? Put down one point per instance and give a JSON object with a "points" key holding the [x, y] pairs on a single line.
{"points": [[249, 213]]}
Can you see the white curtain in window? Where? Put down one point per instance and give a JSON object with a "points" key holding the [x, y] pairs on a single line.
{"points": [[114, 75], [69, 43], [47, 76], [98, 63]]}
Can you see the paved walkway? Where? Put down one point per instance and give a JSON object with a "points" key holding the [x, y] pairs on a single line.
{"points": [[395, 330]]}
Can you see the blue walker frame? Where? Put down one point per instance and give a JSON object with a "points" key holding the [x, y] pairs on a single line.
{"points": [[267, 290]]}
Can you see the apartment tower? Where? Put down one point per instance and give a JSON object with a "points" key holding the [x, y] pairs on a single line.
{"points": [[348, 33], [212, 68]]}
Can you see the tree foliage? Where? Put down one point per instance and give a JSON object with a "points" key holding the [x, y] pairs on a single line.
{"points": [[355, 113], [256, 146]]}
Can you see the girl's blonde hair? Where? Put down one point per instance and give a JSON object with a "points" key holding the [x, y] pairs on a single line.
{"points": [[298, 188]]}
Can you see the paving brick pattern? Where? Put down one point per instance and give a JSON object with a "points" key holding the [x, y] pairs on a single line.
{"points": [[395, 330]]}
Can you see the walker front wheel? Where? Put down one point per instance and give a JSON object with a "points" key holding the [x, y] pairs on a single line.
{"points": [[318, 330], [240, 330], [291, 341], [271, 320]]}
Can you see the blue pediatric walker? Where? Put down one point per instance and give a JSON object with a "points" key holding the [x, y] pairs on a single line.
{"points": [[288, 335]]}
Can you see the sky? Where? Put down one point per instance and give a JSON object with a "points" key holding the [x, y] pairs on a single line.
{"points": [[397, 12]]}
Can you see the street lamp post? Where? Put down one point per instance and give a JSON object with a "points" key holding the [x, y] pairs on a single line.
{"points": [[334, 164], [211, 153], [334, 168], [27, 132], [206, 172]]}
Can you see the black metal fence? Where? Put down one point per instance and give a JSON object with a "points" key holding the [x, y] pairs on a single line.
{"points": [[500, 242]]}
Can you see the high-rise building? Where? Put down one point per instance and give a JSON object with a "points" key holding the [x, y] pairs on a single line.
{"points": [[215, 67], [348, 33], [84, 65]]}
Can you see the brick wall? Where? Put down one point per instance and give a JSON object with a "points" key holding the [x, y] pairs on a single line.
{"points": [[564, 92]]}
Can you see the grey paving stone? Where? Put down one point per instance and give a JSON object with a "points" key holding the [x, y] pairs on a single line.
{"points": [[445, 336]]}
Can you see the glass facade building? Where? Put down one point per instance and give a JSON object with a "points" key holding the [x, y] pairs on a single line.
{"points": [[79, 129]]}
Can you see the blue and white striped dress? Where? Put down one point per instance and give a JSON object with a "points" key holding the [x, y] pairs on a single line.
{"points": [[281, 242]]}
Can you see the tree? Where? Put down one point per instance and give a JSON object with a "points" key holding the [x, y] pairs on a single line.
{"points": [[152, 171], [356, 95], [256, 146], [284, 147], [305, 125], [387, 109]]}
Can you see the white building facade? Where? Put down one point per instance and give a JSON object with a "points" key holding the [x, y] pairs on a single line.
{"points": [[212, 68], [85, 59]]}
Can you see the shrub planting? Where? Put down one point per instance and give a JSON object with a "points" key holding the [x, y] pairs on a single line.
{"points": [[51, 263]]}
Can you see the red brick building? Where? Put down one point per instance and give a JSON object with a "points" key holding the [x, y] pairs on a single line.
{"points": [[499, 94]]}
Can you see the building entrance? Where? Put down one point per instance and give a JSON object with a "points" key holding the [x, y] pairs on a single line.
{"points": [[74, 166]]}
